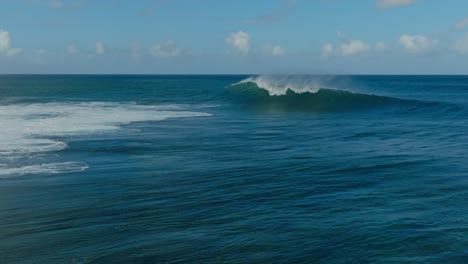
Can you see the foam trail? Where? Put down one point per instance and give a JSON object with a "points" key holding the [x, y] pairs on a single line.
{"points": [[48, 168], [27, 128], [280, 84]]}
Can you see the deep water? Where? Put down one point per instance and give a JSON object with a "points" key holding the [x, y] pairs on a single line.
{"points": [[233, 169]]}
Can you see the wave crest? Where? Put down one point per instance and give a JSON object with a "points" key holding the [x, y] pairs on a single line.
{"points": [[277, 85]]}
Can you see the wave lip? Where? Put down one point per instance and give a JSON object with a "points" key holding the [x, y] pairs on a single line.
{"points": [[281, 84]]}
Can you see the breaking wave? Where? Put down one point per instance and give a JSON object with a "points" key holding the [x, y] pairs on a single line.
{"points": [[281, 85], [315, 94]]}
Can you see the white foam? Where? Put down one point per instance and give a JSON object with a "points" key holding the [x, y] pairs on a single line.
{"points": [[26, 129], [280, 84], [48, 168]]}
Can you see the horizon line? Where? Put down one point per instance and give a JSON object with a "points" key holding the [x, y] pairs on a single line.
{"points": [[244, 74]]}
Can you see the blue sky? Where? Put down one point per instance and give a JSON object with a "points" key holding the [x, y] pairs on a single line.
{"points": [[242, 36]]}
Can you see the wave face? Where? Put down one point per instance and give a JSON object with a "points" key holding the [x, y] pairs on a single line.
{"points": [[311, 94], [30, 130]]}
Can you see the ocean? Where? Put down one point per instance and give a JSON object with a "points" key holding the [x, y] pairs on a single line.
{"points": [[233, 169]]}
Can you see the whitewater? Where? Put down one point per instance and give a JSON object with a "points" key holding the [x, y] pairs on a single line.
{"points": [[29, 129]]}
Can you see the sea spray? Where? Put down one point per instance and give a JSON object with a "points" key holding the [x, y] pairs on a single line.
{"points": [[280, 84]]}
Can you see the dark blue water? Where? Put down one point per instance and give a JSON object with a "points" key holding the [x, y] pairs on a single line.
{"points": [[233, 169]]}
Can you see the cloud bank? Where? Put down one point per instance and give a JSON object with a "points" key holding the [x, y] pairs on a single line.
{"points": [[165, 50]]}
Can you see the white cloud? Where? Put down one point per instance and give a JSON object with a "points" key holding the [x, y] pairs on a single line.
{"points": [[5, 48], [461, 24], [57, 4], [416, 43], [354, 47], [350, 48], [40, 51], [462, 45], [274, 50], [240, 41], [327, 50], [340, 35], [393, 3], [167, 49], [100, 48], [380, 46], [71, 49]]}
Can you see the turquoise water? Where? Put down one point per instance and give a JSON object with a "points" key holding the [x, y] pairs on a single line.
{"points": [[233, 169]]}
